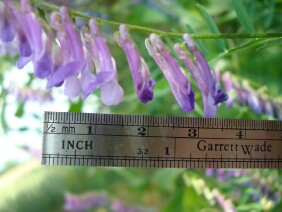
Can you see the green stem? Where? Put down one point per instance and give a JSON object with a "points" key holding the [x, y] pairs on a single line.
{"points": [[52, 7]]}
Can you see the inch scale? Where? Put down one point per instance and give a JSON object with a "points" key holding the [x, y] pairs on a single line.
{"points": [[89, 139]]}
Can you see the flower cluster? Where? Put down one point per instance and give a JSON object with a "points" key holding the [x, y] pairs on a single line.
{"points": [[99, 200], [64, 55], [85, 201], [25, 94], [265, 190], [257, 100]]}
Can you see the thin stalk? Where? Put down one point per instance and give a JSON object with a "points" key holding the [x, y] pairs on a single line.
{"points": [[147, 30]]}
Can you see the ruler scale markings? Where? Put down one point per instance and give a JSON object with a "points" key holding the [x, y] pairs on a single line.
{"points": [[264, 136]]}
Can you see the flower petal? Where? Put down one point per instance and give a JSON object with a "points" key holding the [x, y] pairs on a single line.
{"points": [[72, 87]]}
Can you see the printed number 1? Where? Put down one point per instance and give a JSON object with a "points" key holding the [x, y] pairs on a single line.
{"points": [[167, 150]]}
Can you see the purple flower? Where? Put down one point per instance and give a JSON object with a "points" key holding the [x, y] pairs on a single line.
{"points": [[111, 91], [266, 105], [143, 83], [72, 54], [176, 77], [204, 77], [228, 84], [26, 94], [225, 204], [240, 93], [18, 20], [7, 29], [278, 108], [209, 172], [39, 41], [89, 200], [252, 98], [89, 81]]}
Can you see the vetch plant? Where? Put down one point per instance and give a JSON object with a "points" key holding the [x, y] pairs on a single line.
{"points": [[64, 55]]}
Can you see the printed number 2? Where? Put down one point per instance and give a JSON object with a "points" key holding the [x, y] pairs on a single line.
{"points": [[142, 131], [192, 132]]}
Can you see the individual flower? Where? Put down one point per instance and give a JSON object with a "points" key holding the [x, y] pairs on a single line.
{"points": [[225, 204], [18, 20], [176, 77], [85, 201], [266, 105], [252, 98], [143, 83], [203, 75], [111, 92], [7, 29], [228, 84], [240, 93], [39, 41], [89, 81], [73, 57]]}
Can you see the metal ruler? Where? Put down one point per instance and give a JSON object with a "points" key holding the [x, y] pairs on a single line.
{"points": [[160, 141]]}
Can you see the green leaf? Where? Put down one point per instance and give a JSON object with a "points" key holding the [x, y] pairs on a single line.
{"points": [[76, 106], [212, 26], [273, 43], [20, 110], [243, 16], [270, 12], [250, 44]]}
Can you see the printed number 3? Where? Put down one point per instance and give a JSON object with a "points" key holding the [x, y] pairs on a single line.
{"points": [[192, 132]]}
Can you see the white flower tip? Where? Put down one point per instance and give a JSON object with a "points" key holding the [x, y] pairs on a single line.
{"points": [[123, 28], [189, 41], [118, 38], [154, 37], [94, 26], [177, 48], [64, 11], [149, 46]]}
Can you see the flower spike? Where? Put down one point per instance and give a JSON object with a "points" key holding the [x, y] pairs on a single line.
{"points": [[176, 77], [143, 83]]}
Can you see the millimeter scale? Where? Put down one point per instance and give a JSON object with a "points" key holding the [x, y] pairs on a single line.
{"points": [[117, 140]]}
